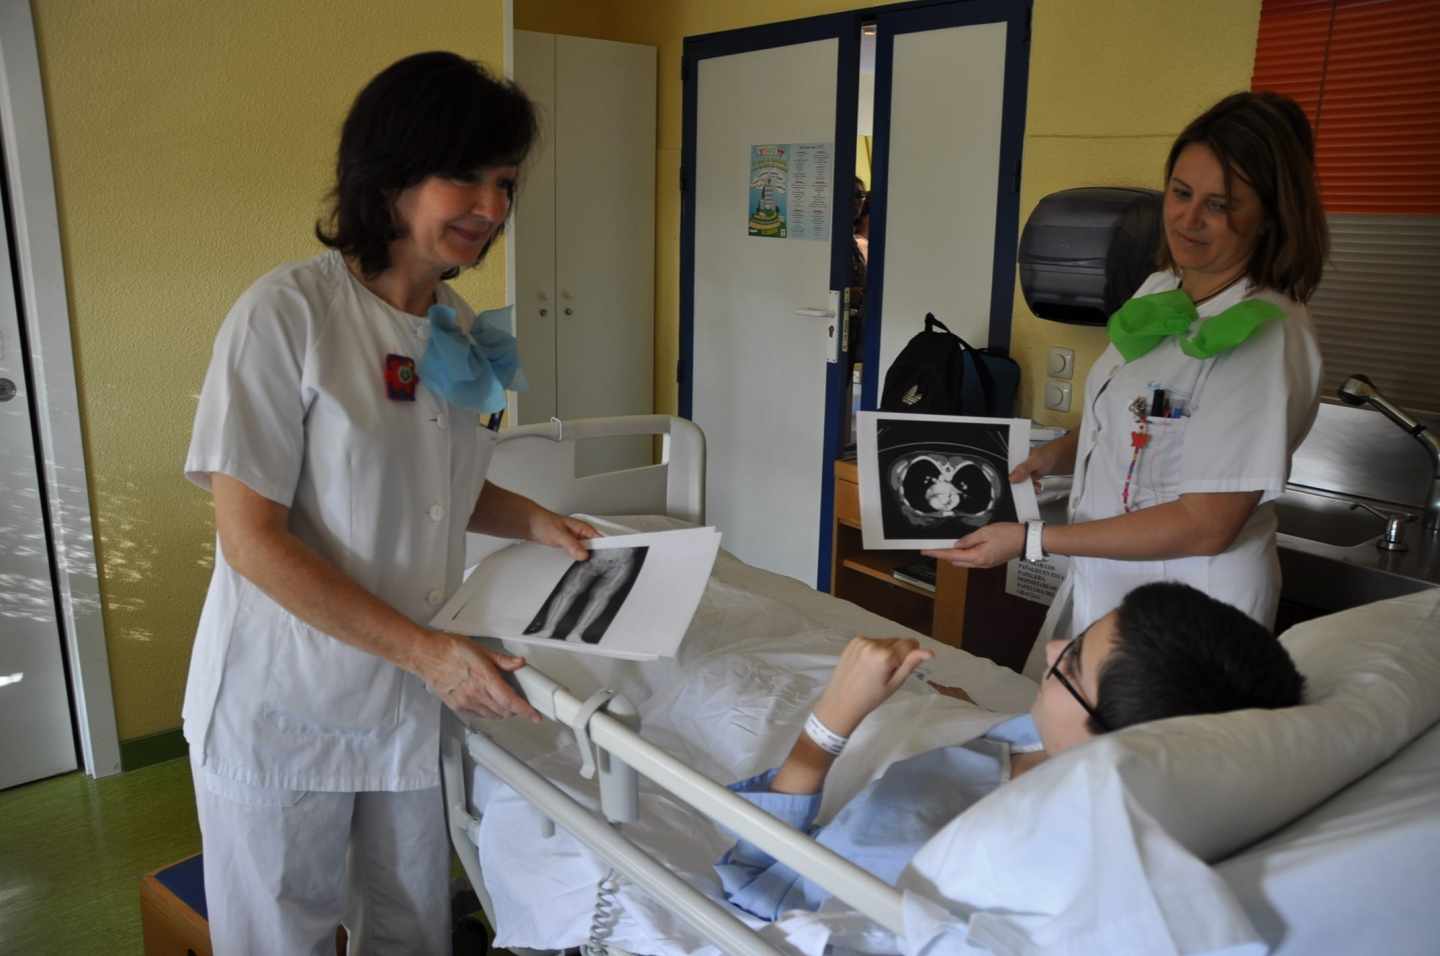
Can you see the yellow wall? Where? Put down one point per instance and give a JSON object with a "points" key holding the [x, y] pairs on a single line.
{"points": [[1111, 83], [192, 146], [863, 147]]}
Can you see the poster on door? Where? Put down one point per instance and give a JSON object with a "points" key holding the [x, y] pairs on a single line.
{"points": [[791, 186]]}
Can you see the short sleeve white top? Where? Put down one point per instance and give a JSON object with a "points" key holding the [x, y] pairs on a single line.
{"points": [[295, 406], [1244, 413]]}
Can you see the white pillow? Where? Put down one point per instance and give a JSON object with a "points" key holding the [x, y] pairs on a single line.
{"points": [[1101, 849]]}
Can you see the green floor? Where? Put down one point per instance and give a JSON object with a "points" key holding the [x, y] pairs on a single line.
{"points": [[73, 850]]}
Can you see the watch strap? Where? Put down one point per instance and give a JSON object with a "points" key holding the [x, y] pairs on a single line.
{"points": [[1034, 541]]}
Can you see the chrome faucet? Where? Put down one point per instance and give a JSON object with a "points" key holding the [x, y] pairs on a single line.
{"points": [[1359, 390]]}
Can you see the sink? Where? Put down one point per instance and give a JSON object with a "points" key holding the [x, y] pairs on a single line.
{"points": [[1325, 519], [1330, 562], [1324, 585]]}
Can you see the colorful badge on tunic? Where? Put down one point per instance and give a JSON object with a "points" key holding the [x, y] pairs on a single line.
{"points": [[400, 378], [1139, 438]]}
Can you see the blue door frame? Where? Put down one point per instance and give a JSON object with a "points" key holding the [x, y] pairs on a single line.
{"points": [[845, 28]]}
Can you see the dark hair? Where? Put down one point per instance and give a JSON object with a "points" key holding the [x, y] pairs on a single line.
{"points": [[430, 114], [1265, 139], [1179, 651]]}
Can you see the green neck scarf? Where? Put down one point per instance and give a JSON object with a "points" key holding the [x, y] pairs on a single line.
{"points": [[1143, 323]]}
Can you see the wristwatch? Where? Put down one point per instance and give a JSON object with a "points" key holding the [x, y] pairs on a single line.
{"points": [[1034, 536]]}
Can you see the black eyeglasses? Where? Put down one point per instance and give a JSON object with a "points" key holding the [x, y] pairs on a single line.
{"points": [[1055, 672]]}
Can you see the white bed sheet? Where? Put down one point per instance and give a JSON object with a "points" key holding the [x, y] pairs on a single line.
{"points": [[1372, 849], [1357, 874], [757, 655]]}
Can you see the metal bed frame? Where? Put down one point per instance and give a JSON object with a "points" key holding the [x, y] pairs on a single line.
{"points": [[540, 459]]}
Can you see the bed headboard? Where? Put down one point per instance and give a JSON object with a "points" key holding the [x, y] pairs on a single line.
{"points": [[538, 461]]}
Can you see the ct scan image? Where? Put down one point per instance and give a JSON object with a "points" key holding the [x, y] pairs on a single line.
{"points": [[942, 479]]}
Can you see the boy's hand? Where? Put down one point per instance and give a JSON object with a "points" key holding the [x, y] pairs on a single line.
{"points": [[869, 671]]}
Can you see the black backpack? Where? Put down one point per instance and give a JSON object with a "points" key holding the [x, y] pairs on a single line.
{"points": [[939, 373]]}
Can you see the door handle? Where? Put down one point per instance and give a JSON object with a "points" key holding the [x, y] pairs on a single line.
{"points": [[7, 389], [830, 344]]}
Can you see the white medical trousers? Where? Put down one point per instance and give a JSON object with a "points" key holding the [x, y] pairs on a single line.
{"points": [[284, 868]]}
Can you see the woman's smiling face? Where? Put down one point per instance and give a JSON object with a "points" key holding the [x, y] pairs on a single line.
{"points": [[449, 223], [1211, 232]]}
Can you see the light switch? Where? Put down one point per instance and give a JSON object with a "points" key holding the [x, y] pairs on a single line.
{"points": [[1057, 396], [1062, 362]]}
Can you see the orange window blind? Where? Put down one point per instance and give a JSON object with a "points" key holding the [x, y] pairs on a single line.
{"points": [[1367, 73]]}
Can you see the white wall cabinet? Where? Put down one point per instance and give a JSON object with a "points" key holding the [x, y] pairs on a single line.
{"points": [[585, 238]]}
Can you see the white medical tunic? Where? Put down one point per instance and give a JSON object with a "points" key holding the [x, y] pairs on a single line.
{"points": [[1244, 413], [295, 406]]}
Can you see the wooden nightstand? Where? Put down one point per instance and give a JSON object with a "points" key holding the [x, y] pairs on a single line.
{"points": [[865, 576], [968, 609]]}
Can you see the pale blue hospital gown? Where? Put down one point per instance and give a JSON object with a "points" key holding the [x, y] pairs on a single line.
{"points": [[881, 828]]}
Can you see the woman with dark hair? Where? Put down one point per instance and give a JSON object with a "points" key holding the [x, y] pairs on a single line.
{"points": [[344, 430], [1210, 382]]}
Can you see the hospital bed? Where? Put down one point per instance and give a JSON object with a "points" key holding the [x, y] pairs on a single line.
{"points": [[1314, 830]]}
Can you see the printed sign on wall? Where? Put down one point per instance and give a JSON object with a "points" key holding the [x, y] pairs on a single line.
{"points": [[791, 185], [1036, 581]]}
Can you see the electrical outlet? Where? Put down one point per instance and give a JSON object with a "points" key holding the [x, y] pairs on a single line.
{"points": [[1062, 362], [1057, 396]]}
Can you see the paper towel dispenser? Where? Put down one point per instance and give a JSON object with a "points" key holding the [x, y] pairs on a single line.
{"points": [[1085, 251]]}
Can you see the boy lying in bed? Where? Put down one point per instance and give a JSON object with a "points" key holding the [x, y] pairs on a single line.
{"points": [[1168, 650]]}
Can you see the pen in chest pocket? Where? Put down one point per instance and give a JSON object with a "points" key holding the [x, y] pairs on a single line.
{"points": [[1164, 403]]}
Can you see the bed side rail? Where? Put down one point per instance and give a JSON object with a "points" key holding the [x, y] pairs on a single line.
{"points": [[859, 888], [715, 922], [540, 460]]}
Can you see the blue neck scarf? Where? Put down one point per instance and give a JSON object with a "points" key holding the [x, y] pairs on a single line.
{"points": [[472, 370]]}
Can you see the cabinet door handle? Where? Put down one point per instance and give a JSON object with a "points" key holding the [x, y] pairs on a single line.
{"points": [[544, 312], [569, 311]]}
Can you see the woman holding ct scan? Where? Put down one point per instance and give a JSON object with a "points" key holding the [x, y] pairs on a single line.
{"points": [[344, 430], [1210, 382]]}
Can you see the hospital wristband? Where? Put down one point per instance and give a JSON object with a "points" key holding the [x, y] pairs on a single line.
{"points": [[823, 737]]}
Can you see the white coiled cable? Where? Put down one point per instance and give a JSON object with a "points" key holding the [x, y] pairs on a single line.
{"points": [[606, 915]]}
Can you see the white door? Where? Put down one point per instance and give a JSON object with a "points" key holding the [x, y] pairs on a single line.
{"points": [[37, 740], [605, 241], [585, 239], [938, 242], [762, 338], [534, 246], [950, 90]]}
